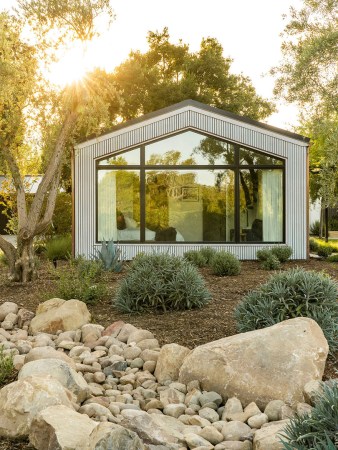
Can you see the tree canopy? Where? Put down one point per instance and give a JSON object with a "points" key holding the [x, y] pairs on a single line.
{"points": [[308, 76], [32, 112]]}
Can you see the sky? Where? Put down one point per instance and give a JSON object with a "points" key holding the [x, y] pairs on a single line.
{"points": [[249, 31]]}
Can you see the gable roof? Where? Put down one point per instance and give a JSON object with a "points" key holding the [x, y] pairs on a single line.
{"points": [[204, 107]]}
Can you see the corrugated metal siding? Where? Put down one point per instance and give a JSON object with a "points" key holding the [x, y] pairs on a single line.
{"points": [[295, 179], [242, 251]]}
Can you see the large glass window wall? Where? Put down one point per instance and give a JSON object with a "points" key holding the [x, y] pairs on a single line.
{"points": [[190, 188]]}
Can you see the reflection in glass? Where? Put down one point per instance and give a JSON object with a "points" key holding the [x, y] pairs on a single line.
{"points": [[261, 205], [190, 205], [132, 157], [118, 205], [189, 148], [248, 157]]}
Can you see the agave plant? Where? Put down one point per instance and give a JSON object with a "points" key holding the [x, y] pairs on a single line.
{"points": [[109, 255]]}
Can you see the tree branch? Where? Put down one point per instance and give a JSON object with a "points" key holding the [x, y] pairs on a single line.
{"points": [[18, 184], [48, 214], [54, 166]]}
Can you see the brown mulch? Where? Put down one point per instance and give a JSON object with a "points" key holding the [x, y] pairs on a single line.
{"points": [[188, 328]]}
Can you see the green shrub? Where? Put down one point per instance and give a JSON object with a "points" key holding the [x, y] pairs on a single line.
{"points": [[196, 258], [271, 263], [289, 294], [161, 281], [333, 258], [263, 255], [62, 216], [324, 251], [318, 430], [6, 367], [282, 253], [224, 263], [59, 247], [208, 253], [315, 228], [81, 281], [313, 245]]}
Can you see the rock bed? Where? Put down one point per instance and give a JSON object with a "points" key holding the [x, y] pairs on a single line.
{"points": [[122, 389]]}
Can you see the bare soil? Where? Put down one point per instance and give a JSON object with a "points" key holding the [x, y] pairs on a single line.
{"points": [[188, 328]]}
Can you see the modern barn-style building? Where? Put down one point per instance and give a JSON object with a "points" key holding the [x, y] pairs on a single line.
{"points": [[188, 176]]}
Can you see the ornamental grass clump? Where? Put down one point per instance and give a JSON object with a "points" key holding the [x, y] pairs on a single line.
{"points": [[196, 258], [161, 281], [317, 430], [6, 367], [224, 263], [290, 294]]}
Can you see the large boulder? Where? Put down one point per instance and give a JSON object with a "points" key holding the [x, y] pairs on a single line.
{"points": [[147, 429], [22, 400], [108, 436], [62, 428], [60, 371], [261, 365], [46, 353], [169, 362], [58, 314]]}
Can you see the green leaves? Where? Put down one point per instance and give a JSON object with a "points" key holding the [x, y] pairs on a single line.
{"points": [[73, 18], [308, 73], [291, 294], [169, 73], [317, 430]]}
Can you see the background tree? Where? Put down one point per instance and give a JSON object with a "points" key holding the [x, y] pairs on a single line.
{"points": [[169, 73], [28, 102], [308, 76]]}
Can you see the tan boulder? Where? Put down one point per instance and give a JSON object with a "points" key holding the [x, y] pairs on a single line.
{"points": [[108, 436], [60, 371], [169, 362], [261, 365], [268, 437], [22, 400], [46, 353], [62, 428], [7, 308], [61, 315]]}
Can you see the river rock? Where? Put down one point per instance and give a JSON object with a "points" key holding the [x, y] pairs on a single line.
{"points": [[59, 314], [7, 308], [62, 428], [22, 400], [169, 362], [271, 363]]}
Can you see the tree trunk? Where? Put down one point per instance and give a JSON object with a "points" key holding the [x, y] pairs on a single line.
{"points": [[23, 268], [21, 260]]}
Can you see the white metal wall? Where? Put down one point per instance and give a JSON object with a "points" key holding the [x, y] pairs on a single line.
{"points": [[294, 152]]}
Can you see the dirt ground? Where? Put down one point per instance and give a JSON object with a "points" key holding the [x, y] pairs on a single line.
{"points": [[188, 328]]}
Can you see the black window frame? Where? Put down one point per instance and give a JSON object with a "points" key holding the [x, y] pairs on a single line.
{"points": [[236, 167]]}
